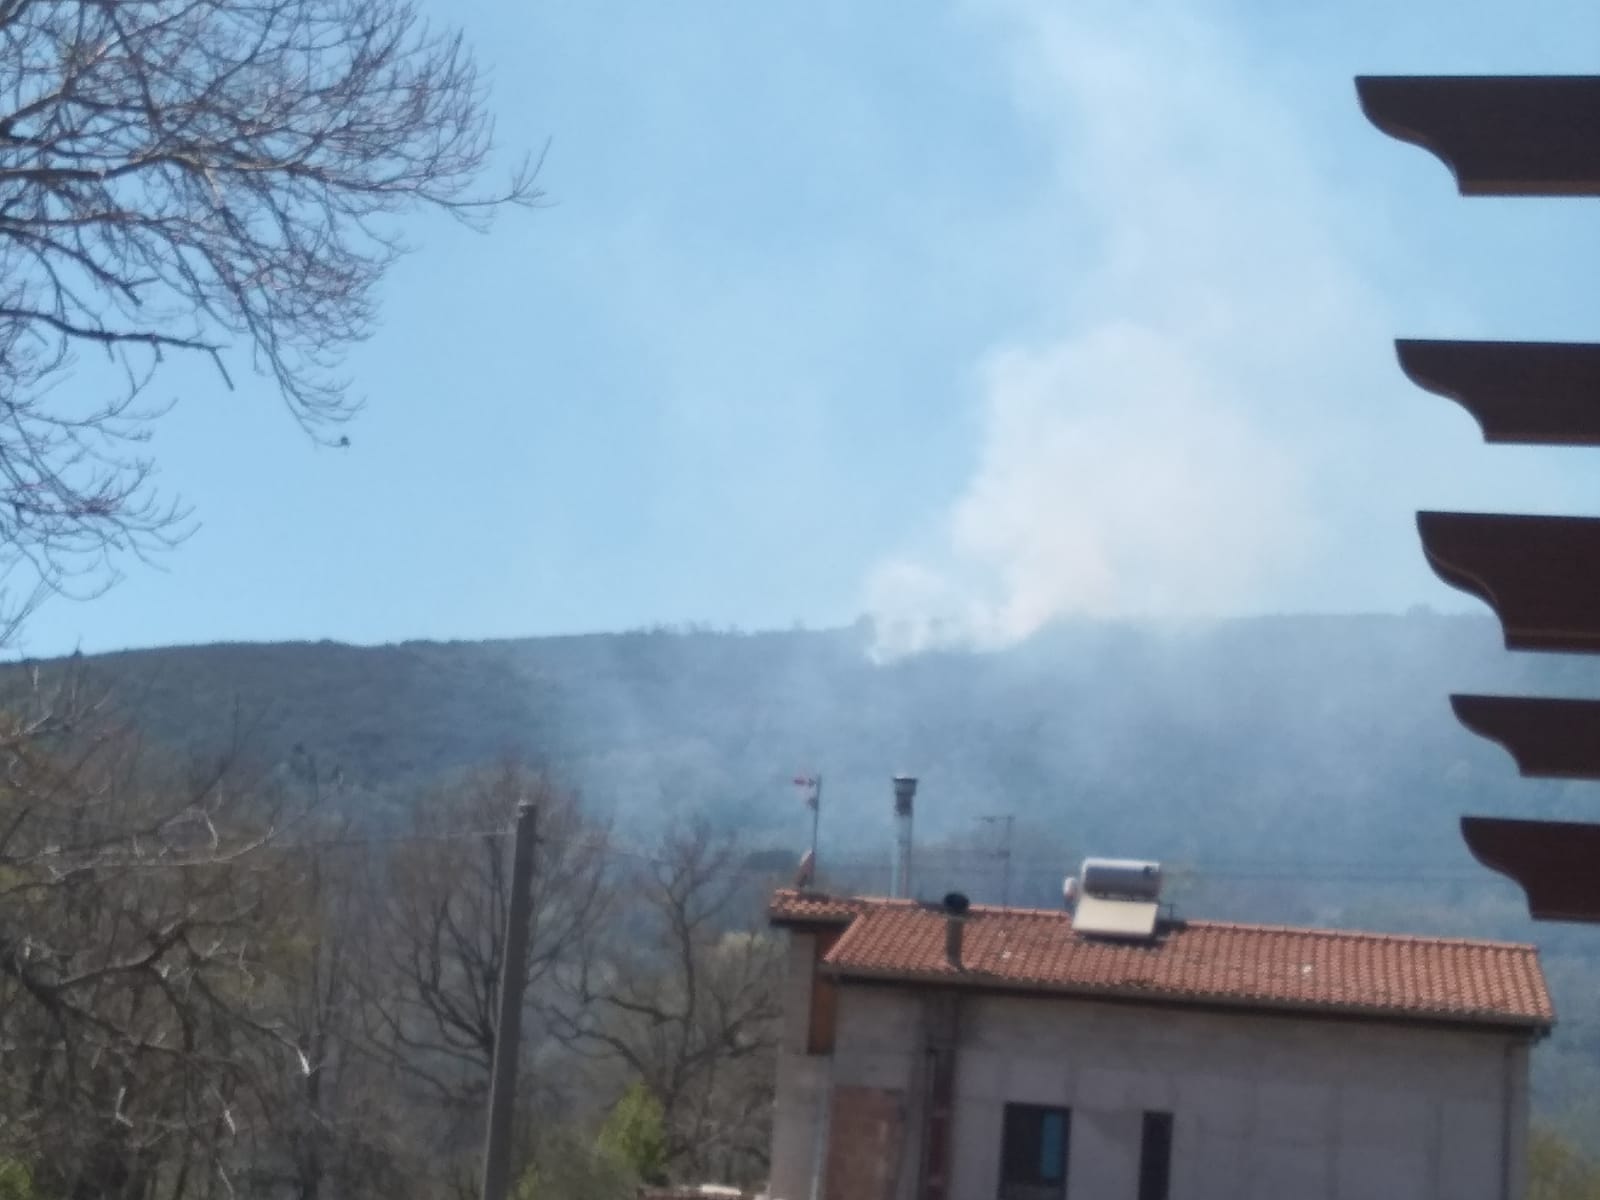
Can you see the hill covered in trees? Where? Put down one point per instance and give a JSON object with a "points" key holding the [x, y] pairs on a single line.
{"points": [[1280, 738], [1296, 768]]}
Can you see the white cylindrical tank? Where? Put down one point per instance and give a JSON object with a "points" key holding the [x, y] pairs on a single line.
{"points": [[1129, 878]]}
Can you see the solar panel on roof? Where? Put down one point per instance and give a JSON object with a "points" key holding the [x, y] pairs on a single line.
{"points": [[1106, 917]]}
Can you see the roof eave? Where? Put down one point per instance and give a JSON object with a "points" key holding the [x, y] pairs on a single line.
{"points": [[1551, 861], [1497, 135], [978, 981], [795, 921]]}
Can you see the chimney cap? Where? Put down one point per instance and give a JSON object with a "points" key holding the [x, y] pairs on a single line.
{"points": [[905, 788]]}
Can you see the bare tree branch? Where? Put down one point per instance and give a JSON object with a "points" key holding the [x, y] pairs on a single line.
{"points": [[200, 177], [685, 997]]}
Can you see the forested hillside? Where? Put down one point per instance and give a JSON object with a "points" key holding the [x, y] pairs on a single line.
{"points": [[1301, 768], [1275, 739]]}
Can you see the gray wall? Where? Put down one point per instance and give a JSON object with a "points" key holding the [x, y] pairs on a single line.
{"points": [[803, 1081], [1264, 1106]]}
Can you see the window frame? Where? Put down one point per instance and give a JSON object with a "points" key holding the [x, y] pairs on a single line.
{"points": [[1034, 1186], [1155, 1155]]}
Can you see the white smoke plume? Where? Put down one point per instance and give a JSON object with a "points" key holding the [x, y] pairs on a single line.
{"points": [[1157, 452]]}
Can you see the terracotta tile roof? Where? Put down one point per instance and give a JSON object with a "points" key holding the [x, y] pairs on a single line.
{"points": [[818, 908], [1195, 962]]}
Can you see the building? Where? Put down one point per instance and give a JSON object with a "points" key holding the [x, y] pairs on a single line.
{"points": [[1004, 1055], [1511, 135]]}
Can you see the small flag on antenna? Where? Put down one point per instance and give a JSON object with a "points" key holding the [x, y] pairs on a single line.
{"points": [[811, 788]]}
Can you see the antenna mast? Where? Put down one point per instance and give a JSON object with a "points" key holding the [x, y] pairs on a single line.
{"points": [[1003, 853], [811, 792]]}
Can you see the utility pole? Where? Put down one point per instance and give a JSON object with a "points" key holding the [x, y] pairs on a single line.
{"points": [[508, 1022]]}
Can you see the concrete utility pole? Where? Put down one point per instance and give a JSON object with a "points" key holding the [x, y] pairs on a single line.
{"points": [[508, 1022]]}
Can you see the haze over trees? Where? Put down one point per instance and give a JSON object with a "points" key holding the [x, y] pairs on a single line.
{"points": [[314, 911], [1285, 768], [209, 989]]}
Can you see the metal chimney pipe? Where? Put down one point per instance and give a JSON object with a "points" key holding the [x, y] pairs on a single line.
{"points": [[952, 940], [956, 907], [905, 790]]}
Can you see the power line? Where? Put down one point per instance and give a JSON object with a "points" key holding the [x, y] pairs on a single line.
{"points": [[1201, 871], [947, 858], [222, 856]]}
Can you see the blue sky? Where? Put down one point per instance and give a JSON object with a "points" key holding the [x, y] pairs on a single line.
{"points": [[969, 315]]}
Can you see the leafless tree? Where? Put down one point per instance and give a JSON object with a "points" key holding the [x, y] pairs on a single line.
{"points": [[446, 900], [329, 1123], [130, 950], [684, 995], [220, 178]]}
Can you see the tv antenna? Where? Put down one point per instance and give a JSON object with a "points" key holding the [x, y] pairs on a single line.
{"points": [[1003, 821]]}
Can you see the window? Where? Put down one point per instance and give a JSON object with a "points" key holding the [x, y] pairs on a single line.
{"points": [[1033, 1152], [1155, 1156]]}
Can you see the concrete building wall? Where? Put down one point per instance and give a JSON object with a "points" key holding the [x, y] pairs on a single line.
{"points": [[879, 1048], [1264, 1106], [799, 1107]]}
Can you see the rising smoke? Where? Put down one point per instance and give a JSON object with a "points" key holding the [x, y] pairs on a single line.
{"points": [[1161, 451]]}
